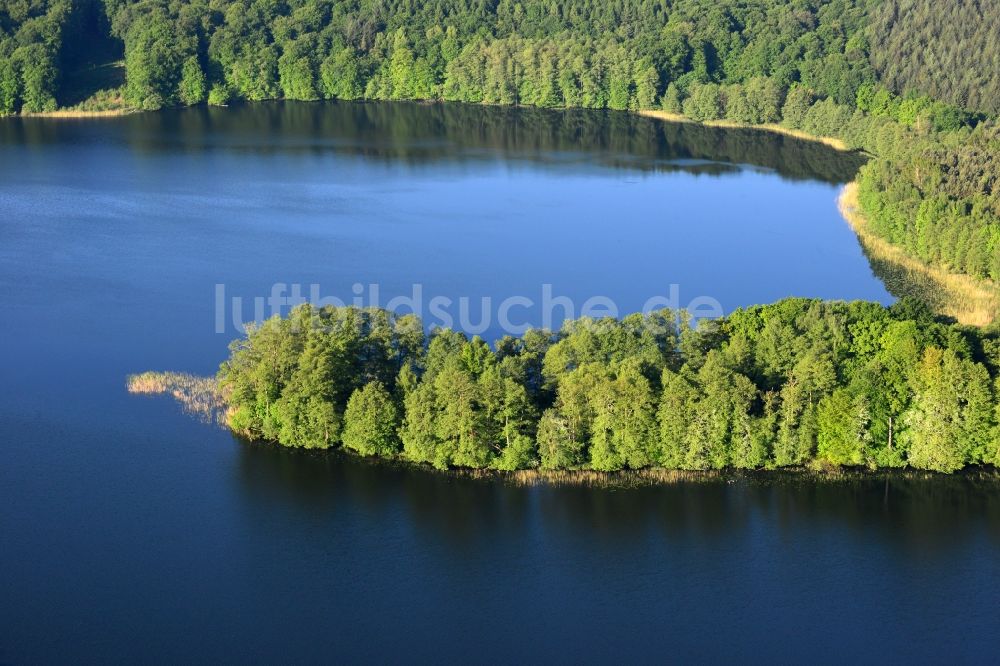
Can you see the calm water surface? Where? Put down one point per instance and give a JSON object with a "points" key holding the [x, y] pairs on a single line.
{"points": [[129, 531]]}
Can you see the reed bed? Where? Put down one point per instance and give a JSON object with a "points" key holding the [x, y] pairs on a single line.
{"points": [[968, 300], [198, 396]]}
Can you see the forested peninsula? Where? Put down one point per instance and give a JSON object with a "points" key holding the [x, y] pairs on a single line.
{"points": [[913, 83], [800, 383]]}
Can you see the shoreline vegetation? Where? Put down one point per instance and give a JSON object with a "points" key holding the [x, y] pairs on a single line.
{"points": [[625, 479], [656, 477], [104, 103], [80, 113], [801, 383], [202, 398], [645, 478], [970, 301], [197, 396]]}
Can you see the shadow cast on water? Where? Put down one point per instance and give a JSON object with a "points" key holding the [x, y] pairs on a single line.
{"points": [[413, 133], [929, 513]]}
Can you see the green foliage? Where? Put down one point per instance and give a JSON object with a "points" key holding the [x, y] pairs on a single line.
{"points": [[950, 417], [793, 383], [192, 85], [671, 101], [705, 102], [936, 198], [946, 49], [370, 422], [10, 87], [420, 442], [541, 53], [296, 71], [757, 102], [290, 379], [675, 416], [842, 423], [38, 76], [219, 95], [400, 68], [521, 453], [340, 74], [308, 413], [154, 59], [797, 104], [30, 43]]}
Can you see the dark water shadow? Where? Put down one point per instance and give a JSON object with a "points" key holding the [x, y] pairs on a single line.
{"points": [[412, 133], [905, 511]]}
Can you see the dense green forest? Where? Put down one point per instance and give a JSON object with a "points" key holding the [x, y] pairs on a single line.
{"points": [[795, 383], [950, 50], [534, 52], [939, 198], [860, 70], [30, 45], [618, 55]]}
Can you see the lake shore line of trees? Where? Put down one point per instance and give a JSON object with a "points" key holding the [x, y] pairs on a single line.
{"points": [[798, 384]]}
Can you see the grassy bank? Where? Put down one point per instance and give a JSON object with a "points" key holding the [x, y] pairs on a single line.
{"points": [[968, 300], [104, 103]]}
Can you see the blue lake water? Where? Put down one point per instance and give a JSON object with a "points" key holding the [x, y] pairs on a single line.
{"points": [[128, 530]]}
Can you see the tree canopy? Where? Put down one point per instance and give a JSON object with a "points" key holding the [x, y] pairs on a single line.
{"points": [[794, 383]]}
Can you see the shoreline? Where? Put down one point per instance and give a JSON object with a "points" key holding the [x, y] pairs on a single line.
{"points": [[656, 114], [829, 141], [969, 301], [642, 478], [653, 477]]}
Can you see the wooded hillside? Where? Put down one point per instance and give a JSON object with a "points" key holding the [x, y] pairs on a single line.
{"points": [[949, 50]]}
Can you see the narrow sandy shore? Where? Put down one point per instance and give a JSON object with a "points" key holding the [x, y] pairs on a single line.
{"points": [[836, 144]]}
